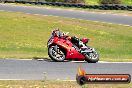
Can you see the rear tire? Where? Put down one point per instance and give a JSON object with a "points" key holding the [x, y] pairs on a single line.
{"points": [[58, 55]]}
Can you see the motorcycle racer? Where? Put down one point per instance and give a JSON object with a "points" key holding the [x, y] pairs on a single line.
{"points": [[63, 47], [73, 39]]}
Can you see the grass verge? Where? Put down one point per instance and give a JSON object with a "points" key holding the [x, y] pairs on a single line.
{"points": [[126, 2], [25, 36], [57, 84]]}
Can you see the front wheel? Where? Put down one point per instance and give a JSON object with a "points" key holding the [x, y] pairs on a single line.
{"points": [[56, 54], [92, 57]]}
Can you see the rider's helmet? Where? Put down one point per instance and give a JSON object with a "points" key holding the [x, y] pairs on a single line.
{"points": [[84, 40], [55, 32]]}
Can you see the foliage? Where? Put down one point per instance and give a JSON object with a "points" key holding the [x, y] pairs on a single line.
{"points": [[67, 1], [110, 1]]}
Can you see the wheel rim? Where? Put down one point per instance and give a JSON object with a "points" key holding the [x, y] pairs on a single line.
{"points": [[57, 55], [93, 55]]}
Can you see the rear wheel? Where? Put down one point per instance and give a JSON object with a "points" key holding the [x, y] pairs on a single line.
{"points": [[56, 54], [92, 57]]}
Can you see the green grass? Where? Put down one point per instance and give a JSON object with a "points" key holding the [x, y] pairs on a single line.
{"points": [[127, 2], [92, 2], [25, 36], [56, 84]]}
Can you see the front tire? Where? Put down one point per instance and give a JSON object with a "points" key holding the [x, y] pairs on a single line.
{"points": [[92, 57], [58, 55]]}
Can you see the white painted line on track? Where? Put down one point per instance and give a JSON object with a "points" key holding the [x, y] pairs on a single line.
{"points": [[99, 62], [113, 62], [83, 19], [64, 61], [13, 79], [117, 62], [38, 79], [69, 80]]}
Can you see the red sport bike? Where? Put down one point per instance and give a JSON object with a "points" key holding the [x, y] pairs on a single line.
{"points": [[62, 47]]}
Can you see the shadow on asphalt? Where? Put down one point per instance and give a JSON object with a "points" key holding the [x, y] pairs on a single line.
{"points": [[49, 60], [42, 59]]}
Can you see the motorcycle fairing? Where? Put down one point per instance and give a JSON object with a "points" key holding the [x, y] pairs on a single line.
{"points": [[68, 46]]}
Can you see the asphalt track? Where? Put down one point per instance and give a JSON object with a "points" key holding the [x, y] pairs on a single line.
{"points": [[108, 18], [11, 69], [38, 70]]}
